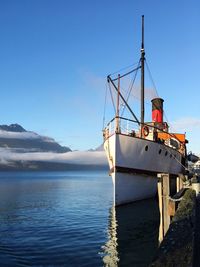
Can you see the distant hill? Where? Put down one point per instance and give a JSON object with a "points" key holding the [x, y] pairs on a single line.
{"points": [[16, 137], [26, 150], [12, 128], [99, 148]]}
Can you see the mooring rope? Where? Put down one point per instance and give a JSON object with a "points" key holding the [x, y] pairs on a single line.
{"points": [[167, 149]]}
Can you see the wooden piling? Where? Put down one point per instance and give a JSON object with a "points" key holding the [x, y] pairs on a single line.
{"points": [[179, 183], [163, 196], [160, 200]]}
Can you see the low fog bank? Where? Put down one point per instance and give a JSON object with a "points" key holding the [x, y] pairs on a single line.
{"points": [[25, 150], [11, 160]]}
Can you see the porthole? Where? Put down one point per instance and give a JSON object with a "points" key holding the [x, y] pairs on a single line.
{"points": [[146, 148], [166, 153], [160, 150]]}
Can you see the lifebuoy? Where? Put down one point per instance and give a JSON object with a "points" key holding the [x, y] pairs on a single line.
{"points": [[145, 130]]}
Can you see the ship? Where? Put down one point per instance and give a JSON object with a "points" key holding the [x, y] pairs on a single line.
{"points": [[137, 150]]}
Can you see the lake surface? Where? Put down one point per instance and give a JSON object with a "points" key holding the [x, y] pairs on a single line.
{"points": [[67, 219]]}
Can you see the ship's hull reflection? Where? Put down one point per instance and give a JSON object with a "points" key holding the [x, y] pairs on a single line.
{"points": [[132, 234]]}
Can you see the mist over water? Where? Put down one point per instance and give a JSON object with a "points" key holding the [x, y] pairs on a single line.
{"points": [[67, 219]]}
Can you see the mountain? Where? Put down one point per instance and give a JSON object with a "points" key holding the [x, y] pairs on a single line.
{"points": [[99, 148], [20, 140], [12, 128], [26, 150]]}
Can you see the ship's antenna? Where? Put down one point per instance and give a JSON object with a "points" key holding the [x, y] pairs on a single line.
{"points": [[142, 59]]}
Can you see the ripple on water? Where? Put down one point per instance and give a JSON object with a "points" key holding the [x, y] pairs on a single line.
{"points": [[63, 219]]}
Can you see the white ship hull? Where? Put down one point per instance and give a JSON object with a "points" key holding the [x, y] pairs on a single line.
{"points": [[132, 187], [134, 163]]}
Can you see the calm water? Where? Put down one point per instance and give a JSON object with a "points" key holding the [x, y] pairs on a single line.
{"points": [[67, 219]]}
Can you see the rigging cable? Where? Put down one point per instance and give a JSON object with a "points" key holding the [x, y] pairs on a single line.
{"points": [[134, 64], [136, 69], [150, 75], [112, 97], [131, 87]]}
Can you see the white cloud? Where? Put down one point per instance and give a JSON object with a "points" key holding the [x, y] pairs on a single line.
{"points": [[186, 124], [191, 126], [93, 81]]}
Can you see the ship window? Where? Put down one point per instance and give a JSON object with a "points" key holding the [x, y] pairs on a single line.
{"points": [[146, 148], [166, 153], [160, 151]]}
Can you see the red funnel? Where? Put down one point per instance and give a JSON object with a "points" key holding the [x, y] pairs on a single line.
{"points": [[157, 110]]}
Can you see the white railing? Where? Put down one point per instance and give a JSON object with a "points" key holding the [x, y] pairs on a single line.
{"points": [[132, 128], [126, 126]]}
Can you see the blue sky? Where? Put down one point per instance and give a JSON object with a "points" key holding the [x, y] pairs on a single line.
{"points": [[55, 56]]}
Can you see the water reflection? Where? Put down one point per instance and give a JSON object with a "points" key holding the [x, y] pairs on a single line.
{"points": [[132, 234], [110, 249]]}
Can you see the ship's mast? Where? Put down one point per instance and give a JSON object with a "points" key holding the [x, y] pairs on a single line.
{"points": [[117, 110], [142, 59]]}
